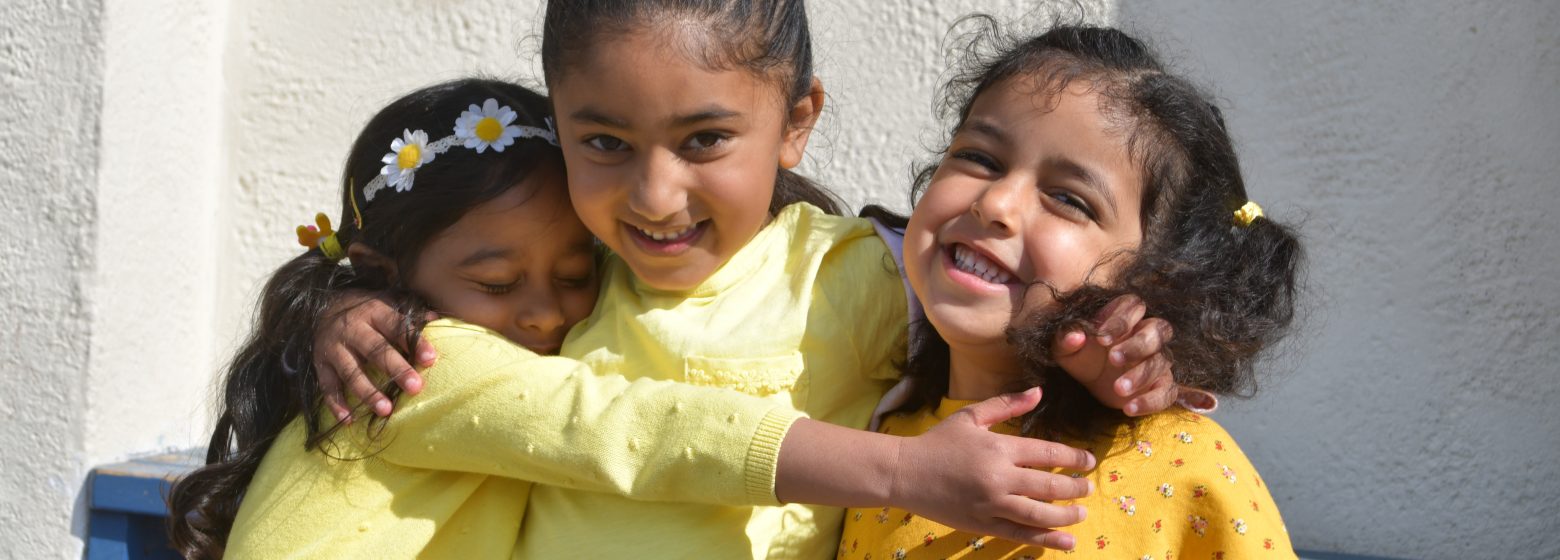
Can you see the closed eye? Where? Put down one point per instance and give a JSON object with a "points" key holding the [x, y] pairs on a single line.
{"points": [[978, 158], [498, 289]]}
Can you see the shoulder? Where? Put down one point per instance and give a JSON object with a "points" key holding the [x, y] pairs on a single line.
{"points": [[466, 349]]}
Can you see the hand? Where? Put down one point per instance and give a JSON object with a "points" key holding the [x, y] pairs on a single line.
{"points": [[361, 330], [1124, 366], [962, 475]]}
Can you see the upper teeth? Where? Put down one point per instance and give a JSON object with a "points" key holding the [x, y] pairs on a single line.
{"points": [[665, 235], [975, 263]]}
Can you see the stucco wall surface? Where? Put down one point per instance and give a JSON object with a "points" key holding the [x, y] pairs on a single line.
{"points": [[1416, 143], [50, 78]]}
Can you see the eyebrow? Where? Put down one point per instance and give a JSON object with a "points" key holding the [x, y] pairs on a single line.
{"points": [[712, 113], [987, 128], [485, 254]]}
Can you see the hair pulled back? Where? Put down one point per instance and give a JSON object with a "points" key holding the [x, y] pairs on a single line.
{"points": [[1228, 290], [271, 380], [769, 38]]}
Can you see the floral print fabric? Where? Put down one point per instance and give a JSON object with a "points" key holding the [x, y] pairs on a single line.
{"points": [[1174, 486]]}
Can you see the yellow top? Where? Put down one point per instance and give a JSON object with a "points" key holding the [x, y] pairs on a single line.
{"points": [[1176, 487], [443, 478], [810, 314]]}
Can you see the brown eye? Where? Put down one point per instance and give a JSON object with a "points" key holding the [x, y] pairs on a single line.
{"points": [[705, 141], [1072, 202], [606, 143], [498, 289]]}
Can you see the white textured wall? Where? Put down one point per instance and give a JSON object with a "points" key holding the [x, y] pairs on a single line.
{"points": [[183, 140], [1417, 141], [50, 79]]}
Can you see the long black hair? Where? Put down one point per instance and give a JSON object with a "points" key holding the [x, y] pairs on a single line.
{"points": [[1227, 289], [770, 38], [271, 380]]}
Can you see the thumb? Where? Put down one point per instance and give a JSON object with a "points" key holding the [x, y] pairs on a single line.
{"points": [[1068, 342], [1002, 408]]}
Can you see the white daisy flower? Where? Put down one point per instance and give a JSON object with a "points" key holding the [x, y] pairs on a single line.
{"points": [[488, 126], [408, 153]]}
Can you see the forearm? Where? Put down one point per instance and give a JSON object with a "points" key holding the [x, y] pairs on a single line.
{"points": [[825, 464]]}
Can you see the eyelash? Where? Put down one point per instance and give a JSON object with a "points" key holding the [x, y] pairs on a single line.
{"points": [[977, 158], [719, 138], [498, 289], [595, 142]]}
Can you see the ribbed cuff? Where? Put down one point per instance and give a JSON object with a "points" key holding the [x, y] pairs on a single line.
{"points": [[763, 457]]}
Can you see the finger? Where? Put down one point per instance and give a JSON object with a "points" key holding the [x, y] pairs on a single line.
{"points": [[1068, 342], [1001, 408], [387, 359], [426, 355], [1117, 317], [1147, 343], [330, 388], [1041, 485], [1045, 538], [1037, 514], [1047, 455], [387, 322], [351, 373], [1160, 396]]}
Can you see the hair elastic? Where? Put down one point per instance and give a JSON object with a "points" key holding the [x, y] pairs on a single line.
{"points": [[478, 128], [322, 236], [1247, 214]]}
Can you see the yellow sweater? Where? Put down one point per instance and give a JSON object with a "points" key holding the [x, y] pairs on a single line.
{"points": [[1176, 487], [444, 477], [809, 315]]}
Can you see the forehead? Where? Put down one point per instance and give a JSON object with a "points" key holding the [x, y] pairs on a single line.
{"points": [[658, 68], [533, 217]]}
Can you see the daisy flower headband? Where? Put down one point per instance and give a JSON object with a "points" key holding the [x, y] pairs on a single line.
{"points": [[478, 128]]}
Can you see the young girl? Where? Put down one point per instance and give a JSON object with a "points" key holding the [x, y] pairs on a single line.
{"points": [[728, 270], [1079, 169], [477, 225]]}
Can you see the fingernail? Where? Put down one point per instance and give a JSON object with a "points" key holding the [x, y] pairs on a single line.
{"points": [[1117, 357], [1083, 512], [427, 357], [382, 407], [1126, 386], [343, 416], [1065, 541], [1131, 409], [1091, 485], [1106, 340], [1091, 464], [413, 385]]}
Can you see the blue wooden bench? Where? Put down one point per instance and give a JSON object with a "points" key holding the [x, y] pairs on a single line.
{"points": [[129, 508]]}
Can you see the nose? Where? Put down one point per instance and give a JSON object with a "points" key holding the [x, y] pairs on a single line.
{"points": [[539, 310], [659, 194], [996, 207]]}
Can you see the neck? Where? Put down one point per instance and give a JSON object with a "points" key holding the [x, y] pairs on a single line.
{"points": [[980, 373]]}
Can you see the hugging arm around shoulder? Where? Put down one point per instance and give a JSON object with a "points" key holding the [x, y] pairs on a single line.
{"points": [[493, 407]]}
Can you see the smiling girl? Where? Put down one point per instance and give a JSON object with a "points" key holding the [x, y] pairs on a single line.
{"points": [[1080, 169]]}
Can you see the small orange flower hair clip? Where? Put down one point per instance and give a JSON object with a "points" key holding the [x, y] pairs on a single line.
{"points": [[321, 236]]}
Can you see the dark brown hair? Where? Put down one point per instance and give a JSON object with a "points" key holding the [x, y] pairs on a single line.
{"points": [[271, 380], [1228, 291]]}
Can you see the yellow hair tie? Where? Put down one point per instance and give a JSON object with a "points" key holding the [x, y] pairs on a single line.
{"points": [[1247, 214], [322, 236]]}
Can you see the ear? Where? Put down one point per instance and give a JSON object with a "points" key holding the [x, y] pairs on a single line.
{"points": [[799, 125], [363, 256]]}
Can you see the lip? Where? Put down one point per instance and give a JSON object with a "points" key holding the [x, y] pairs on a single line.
{"points": [[669, 247], [545, 349], [970, 281]]}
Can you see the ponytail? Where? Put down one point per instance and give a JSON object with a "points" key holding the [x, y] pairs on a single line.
{"points": [[791, 188], [269, 382]]}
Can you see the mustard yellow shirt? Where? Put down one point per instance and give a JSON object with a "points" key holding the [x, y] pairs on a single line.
{"points": [[449, 475], [1176, 488], [809, 315]]}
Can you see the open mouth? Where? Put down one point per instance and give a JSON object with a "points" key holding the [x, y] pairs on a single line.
{"points": [[974, 264], [667, 241]]}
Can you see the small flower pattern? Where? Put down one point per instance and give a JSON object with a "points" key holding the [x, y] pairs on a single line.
{"points": [[1207, 503]]}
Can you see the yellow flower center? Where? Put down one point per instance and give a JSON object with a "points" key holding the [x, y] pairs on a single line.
{"points": [[489, 129], [409, 156]]}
